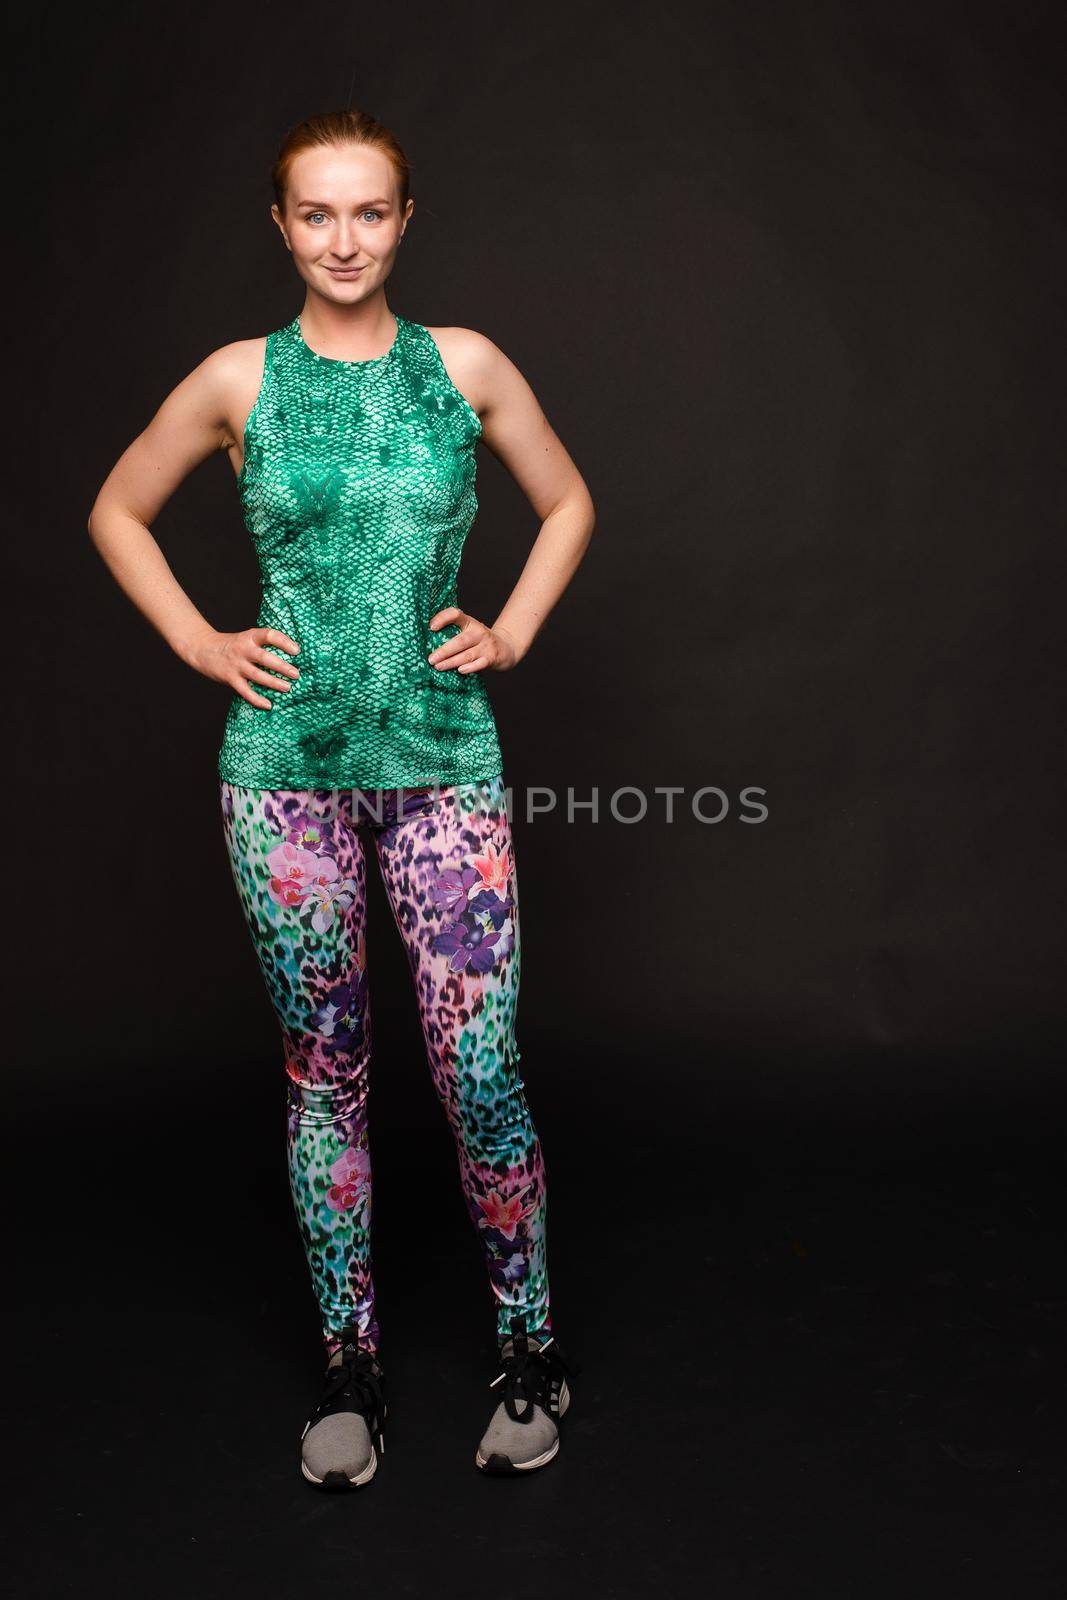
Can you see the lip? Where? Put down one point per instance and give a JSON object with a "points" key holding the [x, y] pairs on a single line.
{"points": [[345, 272]]}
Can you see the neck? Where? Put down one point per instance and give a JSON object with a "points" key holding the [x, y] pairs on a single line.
{"points": [[357, 332]]}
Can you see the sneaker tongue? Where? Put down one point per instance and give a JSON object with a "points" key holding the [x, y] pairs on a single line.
{"points": [[534, 1341], [349, 1347]]}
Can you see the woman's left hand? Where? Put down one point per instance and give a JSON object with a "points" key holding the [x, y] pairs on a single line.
{"points": [[474, 648]]}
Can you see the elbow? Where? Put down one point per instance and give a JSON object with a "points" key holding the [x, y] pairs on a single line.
{"points": [[590, 516], [586, 501], [92, 525]]}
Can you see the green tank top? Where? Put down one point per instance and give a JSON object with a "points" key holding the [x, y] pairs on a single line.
{"points": [[358, 488]]}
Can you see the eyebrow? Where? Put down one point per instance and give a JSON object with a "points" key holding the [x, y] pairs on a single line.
{"points": [[324, 205]]}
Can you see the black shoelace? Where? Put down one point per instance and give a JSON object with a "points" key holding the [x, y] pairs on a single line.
{"points": [[534, 1373], [355, 1384]]}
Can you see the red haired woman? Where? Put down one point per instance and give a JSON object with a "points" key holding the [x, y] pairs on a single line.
{"points": [[359, 716]]}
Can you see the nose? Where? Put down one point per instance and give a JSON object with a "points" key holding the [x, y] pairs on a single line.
{"points": [[346, 245]]}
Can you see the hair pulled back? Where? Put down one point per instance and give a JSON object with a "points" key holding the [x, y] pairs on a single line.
{"points": [[340, 128]]}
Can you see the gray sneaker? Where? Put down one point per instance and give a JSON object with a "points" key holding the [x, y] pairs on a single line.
{"points": [[342, 1441], [523, 1432]]}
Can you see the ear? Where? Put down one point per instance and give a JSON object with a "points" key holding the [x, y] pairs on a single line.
{"points": [[276, 214]]}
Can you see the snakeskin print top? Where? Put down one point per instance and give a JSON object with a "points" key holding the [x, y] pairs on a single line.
{"points": [[358, 490]]}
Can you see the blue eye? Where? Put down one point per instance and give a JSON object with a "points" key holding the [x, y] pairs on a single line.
{"points": [[311, 215]]}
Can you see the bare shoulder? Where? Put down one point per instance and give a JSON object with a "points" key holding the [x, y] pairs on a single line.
{"points": [[230, 378], [474, 363], [237, 364], [238, 358]]}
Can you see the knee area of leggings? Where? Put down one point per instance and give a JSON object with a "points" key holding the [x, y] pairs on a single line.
{"points": [[342, 1096], [502, 1120], [317, 1061]]}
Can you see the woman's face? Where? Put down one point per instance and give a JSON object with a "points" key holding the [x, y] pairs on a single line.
{"points": [[342, 220]]}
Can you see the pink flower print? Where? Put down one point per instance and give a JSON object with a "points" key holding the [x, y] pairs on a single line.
{"points": [[494, 869], [504, 1213], [292, 869], [351, 1179], [299, 877]]}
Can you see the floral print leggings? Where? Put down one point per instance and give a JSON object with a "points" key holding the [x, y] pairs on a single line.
{"points": [[446, 858]]}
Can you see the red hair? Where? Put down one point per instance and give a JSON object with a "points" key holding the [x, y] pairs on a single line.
{"points": [[339, 128]]}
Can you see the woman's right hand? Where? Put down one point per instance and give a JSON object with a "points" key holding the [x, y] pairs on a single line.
{"points": [[241, 659]]}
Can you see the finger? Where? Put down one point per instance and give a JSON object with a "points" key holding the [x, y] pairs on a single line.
{"points": [[265, 659], [458, 641], [441, 619], [471, 637], [256, 675], [246, 693], [449, 658], [262, 636], [474, 666]]}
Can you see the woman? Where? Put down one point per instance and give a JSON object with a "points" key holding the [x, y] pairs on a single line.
{"points": [[359, 715]]}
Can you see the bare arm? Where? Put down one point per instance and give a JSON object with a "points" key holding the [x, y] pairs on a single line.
{"points": [[190, 425], [517, 431]]}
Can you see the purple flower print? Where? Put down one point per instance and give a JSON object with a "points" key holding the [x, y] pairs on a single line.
{"points": [[450, 889], [506, 942], [308, 820], [467, 945], [306, 834], [339, 1020], [313, 824], [511, 1270], [508, 1246], [500, 1244], [351, 1179], [491, 905], [477, 898], [498, 912]]}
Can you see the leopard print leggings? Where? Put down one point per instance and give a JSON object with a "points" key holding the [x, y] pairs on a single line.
{"points": [[446, 858]]}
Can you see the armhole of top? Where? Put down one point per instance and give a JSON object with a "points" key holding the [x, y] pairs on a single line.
{"points": [[268, 362], [460, 396]]}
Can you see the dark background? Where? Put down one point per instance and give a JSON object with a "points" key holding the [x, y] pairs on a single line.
{"points": [[787, 281]]}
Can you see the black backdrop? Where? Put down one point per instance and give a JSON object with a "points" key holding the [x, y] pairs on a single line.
{"points": [[787, 280]]}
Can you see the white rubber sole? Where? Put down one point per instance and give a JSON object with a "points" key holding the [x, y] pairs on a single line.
{"points": [[361, 1477], [546, 1455]]}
